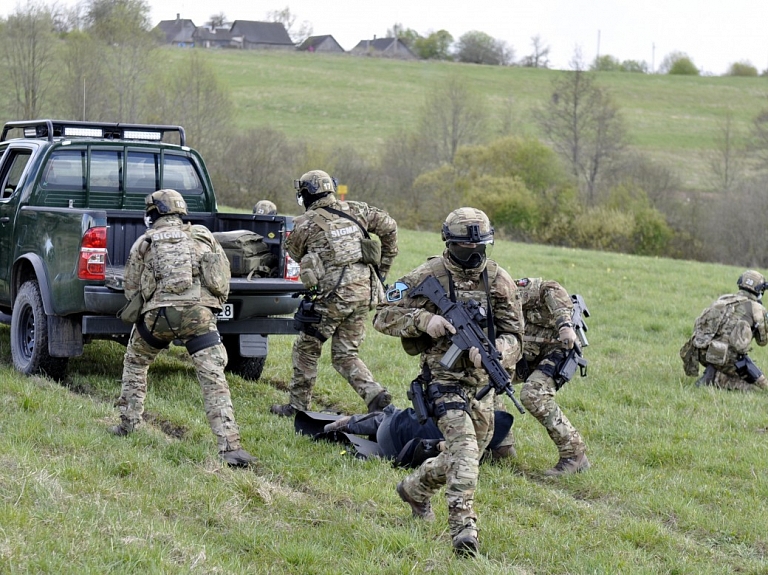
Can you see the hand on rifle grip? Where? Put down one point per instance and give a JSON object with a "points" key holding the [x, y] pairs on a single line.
{"points": [[438, 326]]}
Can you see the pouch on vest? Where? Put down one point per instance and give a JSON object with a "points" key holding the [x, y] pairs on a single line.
{"points": [[690, 359], [717, 352], [371, 251], [131, 311], [712, 319], [214, 269], [312, 270], [416, 345]]}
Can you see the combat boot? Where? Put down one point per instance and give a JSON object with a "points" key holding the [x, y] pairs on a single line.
{"points": [[420, 510], [503, 452], [286, 410], [121, 430], [237, 458], [568, 465], [465, 543], [378, 403]]}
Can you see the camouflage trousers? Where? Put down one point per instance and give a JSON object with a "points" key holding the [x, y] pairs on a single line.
{"points": [[344, 324], [727, 378], [457, 467], [538, 397], [183, 324]]}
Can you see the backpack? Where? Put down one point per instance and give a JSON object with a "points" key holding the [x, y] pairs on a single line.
{"points": [[247, 253], [713, 318]]}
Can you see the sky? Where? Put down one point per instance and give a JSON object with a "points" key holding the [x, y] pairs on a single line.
{"points": [[713, 34]]}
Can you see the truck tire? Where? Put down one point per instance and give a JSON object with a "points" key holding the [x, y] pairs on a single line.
{"points": [[29, 335], [246, 367]]}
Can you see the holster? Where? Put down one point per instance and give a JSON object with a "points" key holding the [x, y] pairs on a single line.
{"points": [[306, 317], [747, 369]]}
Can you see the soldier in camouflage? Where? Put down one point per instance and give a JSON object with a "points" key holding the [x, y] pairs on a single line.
{"points": [[465, 273], [549, 334], [181, 273], [265, 208], [332, 244], [722, 335]]}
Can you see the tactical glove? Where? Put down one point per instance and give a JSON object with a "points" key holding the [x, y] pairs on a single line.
{"points": [[438, 326], [567, 336]]}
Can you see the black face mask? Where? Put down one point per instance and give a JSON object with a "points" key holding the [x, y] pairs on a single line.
{"points": [[468, 257]]}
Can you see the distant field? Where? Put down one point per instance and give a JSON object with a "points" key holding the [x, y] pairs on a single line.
{"points": [[361, 101]]}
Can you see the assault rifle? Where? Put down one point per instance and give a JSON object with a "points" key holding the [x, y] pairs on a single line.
{"points": [[566, 369], [466, 318], [580, 311]]}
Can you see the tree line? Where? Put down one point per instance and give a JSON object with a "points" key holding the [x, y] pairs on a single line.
{"points": [[581, 185]]}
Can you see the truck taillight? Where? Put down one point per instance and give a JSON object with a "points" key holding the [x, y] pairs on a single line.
{"points": [[92, 264]]}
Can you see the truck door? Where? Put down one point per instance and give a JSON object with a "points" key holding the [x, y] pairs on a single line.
{"points": [[13, 164]]}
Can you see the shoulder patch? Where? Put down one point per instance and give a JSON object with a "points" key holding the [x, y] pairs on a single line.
{"points": [[396, 292], [522, 282]]}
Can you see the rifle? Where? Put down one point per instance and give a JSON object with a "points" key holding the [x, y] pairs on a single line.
{"points": [[566, 369], [466, 318], [580, 311]]}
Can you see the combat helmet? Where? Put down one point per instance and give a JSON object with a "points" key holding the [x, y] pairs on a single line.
{"points": [[466, 232], [315, 182], [752, 281], [265, 208], [164, 203]]}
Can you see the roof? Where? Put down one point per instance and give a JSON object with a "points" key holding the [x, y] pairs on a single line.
{"points": [[178, 30], [203, 33], [388, 45], [315, 41], [262, 32]]}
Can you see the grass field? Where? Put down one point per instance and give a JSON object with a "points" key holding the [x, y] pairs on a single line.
{"points": [[361, 101], [678, 482]]}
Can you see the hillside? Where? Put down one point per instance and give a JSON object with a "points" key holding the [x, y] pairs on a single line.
{"points": [[677, 484], [361, 101]]}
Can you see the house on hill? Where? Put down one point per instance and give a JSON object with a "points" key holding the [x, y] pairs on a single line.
{"points": [[251, 35], [325, 43], [178, 32], [384, 47], [220, 37]]}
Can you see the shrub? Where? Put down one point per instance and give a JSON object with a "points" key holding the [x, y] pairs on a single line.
{"points": [[683, 66], [742, 69], [509, 204], [603, 228]]}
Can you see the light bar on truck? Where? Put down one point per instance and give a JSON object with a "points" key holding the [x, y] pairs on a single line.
{"points": [[86, 132], [136, 135]]}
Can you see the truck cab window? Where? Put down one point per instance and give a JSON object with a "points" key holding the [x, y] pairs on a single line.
{"points": [[12, 170], [106, 168]]}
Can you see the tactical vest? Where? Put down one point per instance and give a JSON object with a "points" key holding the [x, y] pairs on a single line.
{"points": [[719, 319], [174, 265], [343, 236]]}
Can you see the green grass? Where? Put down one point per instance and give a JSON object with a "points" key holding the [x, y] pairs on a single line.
{"points": [[344, 99], [677, 484]]}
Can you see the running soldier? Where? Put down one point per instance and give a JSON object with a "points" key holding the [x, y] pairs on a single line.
{"points": [[181, 274], [722, 335], [344, 269], [549, 335], [466, 423]]}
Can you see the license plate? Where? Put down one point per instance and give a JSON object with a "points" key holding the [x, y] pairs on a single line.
{"points": [[227, 313]]}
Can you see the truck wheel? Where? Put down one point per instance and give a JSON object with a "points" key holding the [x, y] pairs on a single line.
{"points": [[245, 367], [29, 335]]}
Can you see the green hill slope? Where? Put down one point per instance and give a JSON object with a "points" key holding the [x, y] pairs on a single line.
{"points": [[677, 484], [361, 101]]}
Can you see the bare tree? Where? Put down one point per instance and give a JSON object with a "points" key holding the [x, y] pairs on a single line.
{"points": [[452, 116], [287, 19], [539, 58], [584, 125], [727, 159], [217, 20], [28, 51]]}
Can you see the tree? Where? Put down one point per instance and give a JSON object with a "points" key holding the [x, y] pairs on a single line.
{"points": [[727, 160], [436, 46], [479, 48], [407, 35], [28, 51], [539, 58], [125, 46], [287, 19], [678, 63], [217, 20], [743, 68], [584, 126], [452, 116], [605, 63]]}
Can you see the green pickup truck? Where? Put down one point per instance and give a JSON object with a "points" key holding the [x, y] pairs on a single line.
{"points": [[72, 205]]}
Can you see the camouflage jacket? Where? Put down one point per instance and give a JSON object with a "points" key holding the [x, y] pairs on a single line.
{"points": [[406, 317], [546, 307], [172, 278], [740, 318], [337, 242]]}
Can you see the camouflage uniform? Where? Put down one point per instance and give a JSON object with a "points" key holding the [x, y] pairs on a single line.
{"points": [[165, 266], [547, 307], [347, 289], [720, 339], [467, 431]]}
